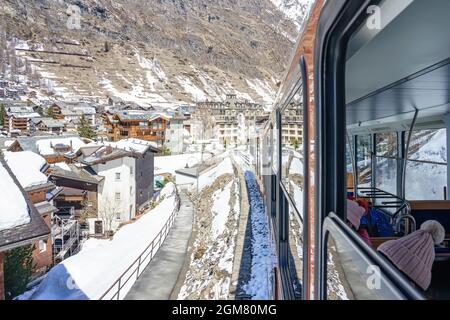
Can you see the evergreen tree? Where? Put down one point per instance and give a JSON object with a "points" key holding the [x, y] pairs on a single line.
{"points": [[85, 130], [2, 114], [50, 112], [18, 268], [165, 151], [295, 143]]}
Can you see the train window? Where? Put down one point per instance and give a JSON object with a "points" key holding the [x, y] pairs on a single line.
{"points": [[426, 172], [364, 160], [292, 153], [386, 162], [290, 126]]}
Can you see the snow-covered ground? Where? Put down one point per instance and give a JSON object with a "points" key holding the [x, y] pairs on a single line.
{"points": [[211, 264], [207, 178], [92, 271], [263, 258], [169, 164], [335, 278]]}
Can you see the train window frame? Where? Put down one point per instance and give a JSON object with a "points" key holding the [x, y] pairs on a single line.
{"points": [[390, 278], [299, 88], [337, 23]]}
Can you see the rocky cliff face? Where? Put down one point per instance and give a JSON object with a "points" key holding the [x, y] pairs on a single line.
{"points": [[157, 51]]}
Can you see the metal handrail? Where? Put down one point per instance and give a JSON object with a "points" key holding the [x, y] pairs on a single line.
{"points": [[401, 204], [161, 236], [333, 226]]}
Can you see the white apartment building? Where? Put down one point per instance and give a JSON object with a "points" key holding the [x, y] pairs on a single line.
{"points": [[230, 121]]}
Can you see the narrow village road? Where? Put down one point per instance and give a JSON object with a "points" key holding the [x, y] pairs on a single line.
{"points": [[161, 275]]}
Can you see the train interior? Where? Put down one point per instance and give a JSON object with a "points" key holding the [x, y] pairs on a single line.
{"points": [[397, 80]]}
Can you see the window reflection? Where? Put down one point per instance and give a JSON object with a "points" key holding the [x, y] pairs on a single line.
{"points": [[351, 276], [337, 285], [274, 150], [386, 165], [386, 174], [364, 161], [387, 144], [292, 153]]}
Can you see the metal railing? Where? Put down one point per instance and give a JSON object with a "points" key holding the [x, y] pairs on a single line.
{"points": [[138, 265], [401, 207]]}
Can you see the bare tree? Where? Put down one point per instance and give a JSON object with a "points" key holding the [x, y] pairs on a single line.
{"points": [[89, 211], [108, 213], [205, 123]]}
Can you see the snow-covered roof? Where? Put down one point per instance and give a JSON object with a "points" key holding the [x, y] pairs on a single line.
{"points": [[13, 207], [26, 115], [62, 165], [45, 146], [135, 115], [78, 111], [20, 109], [85, 110], [51, 123], [104, 154], [27, 166], [134, 145]]}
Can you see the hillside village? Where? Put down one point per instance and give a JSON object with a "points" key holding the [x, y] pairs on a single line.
{"points": [[103, 145], [87, 168]]}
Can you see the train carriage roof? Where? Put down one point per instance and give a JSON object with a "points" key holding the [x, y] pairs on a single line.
{"points": [[403, 66]]}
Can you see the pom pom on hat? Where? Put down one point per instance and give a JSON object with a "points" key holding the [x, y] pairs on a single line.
{"points": [[435, 229]]}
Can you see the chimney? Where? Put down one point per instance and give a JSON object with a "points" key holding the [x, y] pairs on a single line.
{"points": [[71, 145]]}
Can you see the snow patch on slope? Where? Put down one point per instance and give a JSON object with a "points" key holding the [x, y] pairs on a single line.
{"points": [[295, 10], [191, 89], [211, 175], [220, 210], [263, 89]]}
